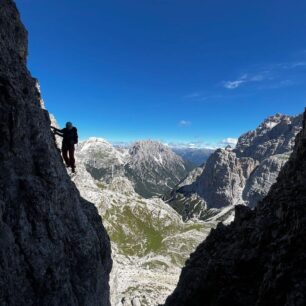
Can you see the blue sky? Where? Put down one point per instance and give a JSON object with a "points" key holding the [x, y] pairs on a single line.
{"points": [[196, 71]]}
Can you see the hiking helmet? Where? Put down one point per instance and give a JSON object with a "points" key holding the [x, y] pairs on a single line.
{"points": [[69, 125]]}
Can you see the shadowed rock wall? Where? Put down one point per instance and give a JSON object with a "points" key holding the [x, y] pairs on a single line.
{"points": [[54, 249]]}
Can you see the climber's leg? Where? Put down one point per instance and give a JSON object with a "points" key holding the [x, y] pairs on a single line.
{"points": [[71, 158], [65, 156]]}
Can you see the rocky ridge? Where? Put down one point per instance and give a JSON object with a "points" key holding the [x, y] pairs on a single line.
{"points": [[152, 167], [101, 159], [275, 135], [259, 259], [54, 248], [242, 175]]}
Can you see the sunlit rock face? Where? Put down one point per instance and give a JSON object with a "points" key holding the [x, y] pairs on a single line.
{"points": [[54, 249], [101, 159], [259, 259], [275, 135], [242, 175], [153, 168], [262, 178]]}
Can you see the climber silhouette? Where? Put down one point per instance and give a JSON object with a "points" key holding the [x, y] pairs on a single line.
{"points": [[70, 138]]}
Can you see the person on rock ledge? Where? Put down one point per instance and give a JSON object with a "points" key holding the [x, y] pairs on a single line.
{"points": [[70, 138]]}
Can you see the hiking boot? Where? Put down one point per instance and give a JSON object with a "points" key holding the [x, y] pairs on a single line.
{"points": [[73, 170]]}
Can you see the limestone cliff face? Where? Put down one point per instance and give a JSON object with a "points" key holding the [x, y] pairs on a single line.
{"points": [[154, 168], [242, 175], [275, 135], [259, 259], [54, 249], [262, 178], [223, 179]]}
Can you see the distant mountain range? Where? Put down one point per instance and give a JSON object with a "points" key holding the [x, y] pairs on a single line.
{"points": [[193, 156], [153, 168], [196, 156], [150, 241]]}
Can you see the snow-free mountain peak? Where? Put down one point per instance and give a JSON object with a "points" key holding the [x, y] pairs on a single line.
{"points": [[154, 168], [275, 135], [155, 152], [151, 166], [243, 175]]}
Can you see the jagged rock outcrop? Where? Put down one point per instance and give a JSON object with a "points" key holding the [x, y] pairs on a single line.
{"points": [[54, 249], [101, 159], [242, 175], [220, 184], [259, 259], [154, 168], [275, 135], [222, 180], [262, 178]]}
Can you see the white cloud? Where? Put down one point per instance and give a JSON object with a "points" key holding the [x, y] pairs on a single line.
{"points": [[233, 84], [292, 65], [267, 74], [200, 144], [229, 141], [236, 83], [184, 123], [246, 78], [191, 145]]}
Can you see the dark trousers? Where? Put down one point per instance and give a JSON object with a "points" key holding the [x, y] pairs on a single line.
{"points": [[68, 155]]}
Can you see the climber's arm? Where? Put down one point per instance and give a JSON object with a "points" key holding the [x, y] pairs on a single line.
{"points": [[57, 131]]}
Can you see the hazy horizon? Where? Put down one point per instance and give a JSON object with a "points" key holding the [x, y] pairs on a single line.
{"points": [[178, 144]]}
